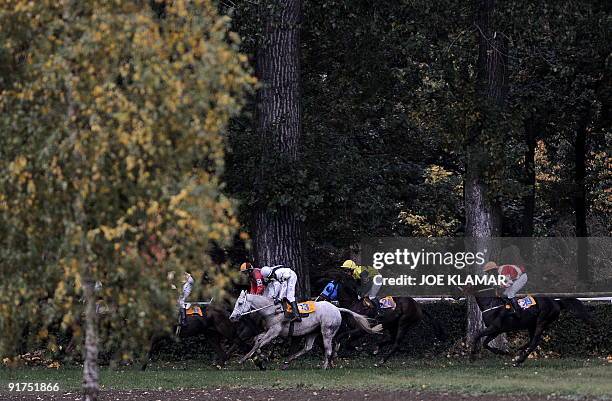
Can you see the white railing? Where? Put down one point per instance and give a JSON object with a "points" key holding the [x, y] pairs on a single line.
{"points": [[436, 299]]}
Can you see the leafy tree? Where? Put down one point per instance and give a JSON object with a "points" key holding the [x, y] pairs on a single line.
{"points": [[111, 155]]}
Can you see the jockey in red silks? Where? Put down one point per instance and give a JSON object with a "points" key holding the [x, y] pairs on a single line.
{"points": [[516, 278], [256, 280]]}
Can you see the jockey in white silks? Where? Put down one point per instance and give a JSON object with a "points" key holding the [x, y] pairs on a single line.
{"points": [[272, 290], [187, 287], [286, 290]]}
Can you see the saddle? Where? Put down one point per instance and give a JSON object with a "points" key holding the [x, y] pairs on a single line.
{"points": [[526, 302], [304, 308], [385, 304], [195, 310]]}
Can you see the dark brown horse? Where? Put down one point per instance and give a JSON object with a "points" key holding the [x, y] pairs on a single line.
{"points": [[535, 320], [396, 323], [214, 325]]}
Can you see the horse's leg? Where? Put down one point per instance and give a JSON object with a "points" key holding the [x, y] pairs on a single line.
{"points": [[156, 341], [214, 340], [524, 346], [533, 343], [262, 340], [475, 343], [389, 339], [401, 330], [329, 350], [346, 337], [389, 335], [310, 339], [490, 338]]}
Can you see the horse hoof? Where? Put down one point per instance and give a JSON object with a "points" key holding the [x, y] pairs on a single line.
{"points": [[375, 352], [285, 365]]}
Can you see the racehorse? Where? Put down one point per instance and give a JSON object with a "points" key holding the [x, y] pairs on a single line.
{"points": [[215, 325], [407, 314], [534, 319], [326, 318]]}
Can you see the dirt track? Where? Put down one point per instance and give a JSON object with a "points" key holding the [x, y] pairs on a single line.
{"points": [[268, 395]]}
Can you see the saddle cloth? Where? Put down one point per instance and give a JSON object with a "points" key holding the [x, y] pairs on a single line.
{"points": [[527, 302], [304, 308], [387, 303], [195, 310]]}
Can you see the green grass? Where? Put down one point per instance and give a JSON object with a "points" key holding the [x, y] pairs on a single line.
{"points": [[572, 377]]}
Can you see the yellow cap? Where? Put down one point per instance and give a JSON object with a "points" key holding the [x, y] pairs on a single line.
{"points": [[245, 266], [349, 264]]}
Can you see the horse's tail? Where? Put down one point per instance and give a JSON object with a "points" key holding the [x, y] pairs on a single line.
{"points": [[362, 322], [577, 308], [437, 326]]}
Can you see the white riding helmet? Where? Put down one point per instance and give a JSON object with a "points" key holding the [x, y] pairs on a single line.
{"points": [[266, 271]]}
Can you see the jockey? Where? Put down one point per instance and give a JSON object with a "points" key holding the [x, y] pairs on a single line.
{"points": [[516, 278], [256, 279], [188, 282], [365, 276], [286, 290]]}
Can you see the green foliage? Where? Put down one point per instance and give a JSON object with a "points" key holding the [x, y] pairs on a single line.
{"points": [[389, 95], [113, 118]]}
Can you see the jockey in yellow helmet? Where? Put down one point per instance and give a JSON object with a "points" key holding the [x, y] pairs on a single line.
{"points": [[365, 276]]}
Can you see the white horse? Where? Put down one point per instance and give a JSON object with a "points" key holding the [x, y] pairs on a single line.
{"points": [[326, 316]]}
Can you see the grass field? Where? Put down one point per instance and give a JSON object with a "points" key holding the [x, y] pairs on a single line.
{"points": [[571, 377]]}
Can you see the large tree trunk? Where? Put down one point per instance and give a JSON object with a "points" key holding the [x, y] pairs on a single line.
{"points": [[278, 233], [482, 211]]}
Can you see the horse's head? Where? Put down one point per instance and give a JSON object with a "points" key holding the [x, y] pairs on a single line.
{"points": [[242, 306]]}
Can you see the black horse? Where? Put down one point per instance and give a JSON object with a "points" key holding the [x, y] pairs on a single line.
{"points": [[407, 314], [216, 327], [537, 318]]}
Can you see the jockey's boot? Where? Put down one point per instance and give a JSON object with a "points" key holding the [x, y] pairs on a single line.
{"points": [[515, 306], [376, 305], [295, 312], [182, 317]]}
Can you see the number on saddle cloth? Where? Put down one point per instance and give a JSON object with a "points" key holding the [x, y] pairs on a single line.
{"points": [[195, 310], [305, 308], [330, 291], [527, 302], [387, 303]]}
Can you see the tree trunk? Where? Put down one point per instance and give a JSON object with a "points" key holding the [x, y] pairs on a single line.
{"points": [[580, 205], [278, 232], [531, 129], [90, 351], [83, 249], [482, 212]]}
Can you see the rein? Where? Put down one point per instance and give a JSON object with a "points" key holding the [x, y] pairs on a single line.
{"points": [[256, 310], [490, 309]]}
